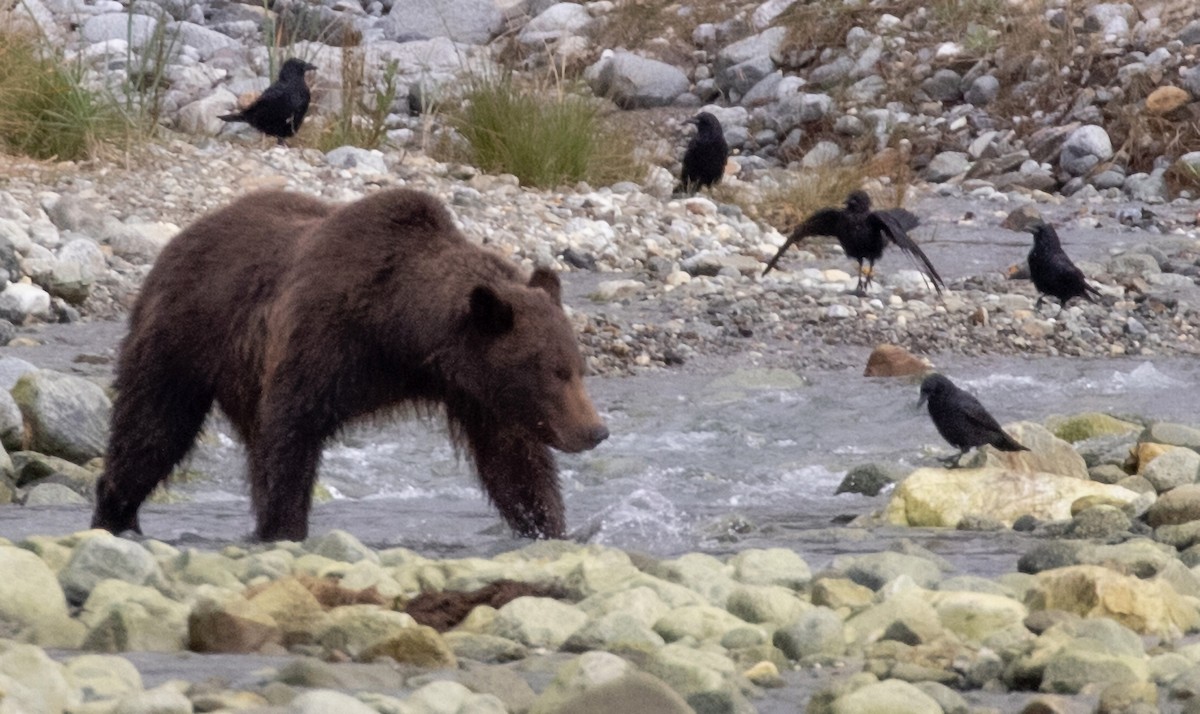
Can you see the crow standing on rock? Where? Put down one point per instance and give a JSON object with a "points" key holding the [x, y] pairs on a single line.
{"points": [[961, 419], [863, 234], [704, 160], [279, 110], [1052, 271]]}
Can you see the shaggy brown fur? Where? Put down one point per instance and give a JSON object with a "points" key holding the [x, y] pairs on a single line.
{"points": [[444, 609], [296, 316]]}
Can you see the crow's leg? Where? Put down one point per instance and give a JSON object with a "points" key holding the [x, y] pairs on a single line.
{"points": [[860, 288], [953, 461], [870, 274]]}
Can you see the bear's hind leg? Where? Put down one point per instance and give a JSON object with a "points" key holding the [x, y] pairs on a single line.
{"points": [[155, 419]]}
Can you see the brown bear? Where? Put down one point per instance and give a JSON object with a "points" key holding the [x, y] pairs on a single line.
{"points": [[297, 316]]}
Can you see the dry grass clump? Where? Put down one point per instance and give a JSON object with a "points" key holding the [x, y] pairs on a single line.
{"points": [[45, 111], [664, 26], [362, 118], [801, 193], [545, 136]]}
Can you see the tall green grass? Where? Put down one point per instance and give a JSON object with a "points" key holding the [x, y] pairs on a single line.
{"points": [[545, 138], [45, 110]]}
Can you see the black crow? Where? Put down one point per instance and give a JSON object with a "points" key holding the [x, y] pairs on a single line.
{"points": [[1052, 271], [961, 419], [279, 110], [863, 234], [704, 160]]}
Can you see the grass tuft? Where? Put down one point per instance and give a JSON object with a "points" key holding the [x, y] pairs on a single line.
{"points": [[45, 111], [544, 137], [362, 118]]}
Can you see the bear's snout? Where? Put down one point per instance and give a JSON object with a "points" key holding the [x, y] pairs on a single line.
{"points": [[597, 434]]}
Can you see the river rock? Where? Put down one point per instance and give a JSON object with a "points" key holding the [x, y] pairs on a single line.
{"points": [[122, 617], [1085, 147], [602, 683], [700, 622], [1081, 427], [226, 622], [164, 699], [420, 646], [40, 684], [636, 82], [1173, 435], [771, 566], [1178, 466], [32, 604], [21, 301], [947, 165], [102, 557], [538, 621], [1047, 453], [614, 632], [820, 631], [705, 679], [325, 701], [766, 604], [133, 28], [470, 21], [895, 361], [891, 696], [1081, 662], [341, 546], [974, 616], [942, 497], [354, 628], [103, 676], [1179, 505], [1144, 606], [66, 416], [641, 603]]}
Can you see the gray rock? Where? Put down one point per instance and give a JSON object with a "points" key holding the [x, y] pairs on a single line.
{"points": [[830, 74], [1047, 556], [1176, 467], [53, 494], [635, 82], [944, 86], [766, 44], [1147, 188], [325, 701], [363, 161], [866, 90], [822, 153], [135, 29], [983, 90], [799, 108], [32, 606], [1098, 522], [1190, 34], [867, 479], [1137, 265], [102, 558], [891, 695], [1084, 148], [200, 116], [556, 22], [538, 622], [1163, 433], [205, 41], [874, 570], [66, 416], [71, 213], [1190, 79], [817, 632], [470, 21], [21, 301], [167, 699], [1109, 18], [742, 77], [947, 165]]}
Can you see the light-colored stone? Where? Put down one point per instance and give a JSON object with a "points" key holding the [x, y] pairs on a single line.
{"points": [[538, 621], [1150, 607]]}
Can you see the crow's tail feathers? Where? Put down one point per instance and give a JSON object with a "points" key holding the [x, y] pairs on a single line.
{"points": [[1004, 442], [779, 254], [236, 116]]}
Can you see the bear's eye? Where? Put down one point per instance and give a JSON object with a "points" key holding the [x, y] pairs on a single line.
{"points": [[563, 374]]}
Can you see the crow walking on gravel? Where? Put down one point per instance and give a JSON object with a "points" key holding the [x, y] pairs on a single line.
{"points": [[1052, 271], [705, 157], [279, 110], [863, 234], [961, 419]]}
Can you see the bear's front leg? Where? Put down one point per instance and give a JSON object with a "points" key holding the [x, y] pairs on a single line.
{"points": [[520, 477], [283, 471]]}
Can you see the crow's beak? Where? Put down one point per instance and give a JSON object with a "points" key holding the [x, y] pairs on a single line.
{"points": [[922, 399]]}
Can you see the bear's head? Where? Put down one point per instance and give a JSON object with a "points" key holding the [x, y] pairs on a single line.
{"points": [[528, 364]]}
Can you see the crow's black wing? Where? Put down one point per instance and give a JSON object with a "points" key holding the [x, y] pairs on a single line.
{"points": [[1068, 276], [887, 223], [974, 413], [906, 219], [825, 222]]}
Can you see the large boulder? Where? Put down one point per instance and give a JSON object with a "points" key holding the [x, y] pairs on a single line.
{"points": [[67, 416], [1148, 607], [1084, 148], [1047, 453], [943, 497], [636, 82], [472, 21], [32, 606]]}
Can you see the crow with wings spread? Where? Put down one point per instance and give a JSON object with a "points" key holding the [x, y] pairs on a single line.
{"points": [[863, 234]]}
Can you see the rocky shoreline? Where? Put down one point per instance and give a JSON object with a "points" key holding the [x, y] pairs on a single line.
{"points": [[1103, 610]]}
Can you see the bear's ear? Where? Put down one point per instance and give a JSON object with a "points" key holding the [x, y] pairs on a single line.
{"points": [[490, 314], [547, 280]]}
